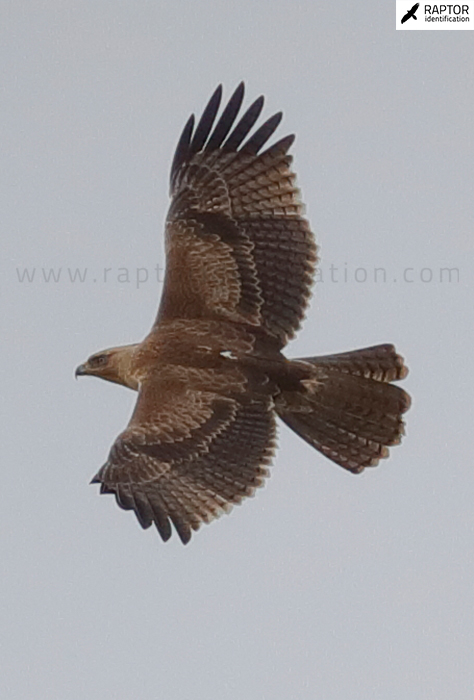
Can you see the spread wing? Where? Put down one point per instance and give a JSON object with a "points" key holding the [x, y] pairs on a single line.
{"points": [[237, 245], [187, 456]]}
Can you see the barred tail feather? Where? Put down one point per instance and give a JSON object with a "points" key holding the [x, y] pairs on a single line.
{"points": [[347, 409], [380, 362]]}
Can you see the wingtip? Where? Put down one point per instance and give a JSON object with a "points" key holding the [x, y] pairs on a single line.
{"points": [[243, 127], [239, 91], [216, 96], [164, 532], [278, 116], [260, 137], [189, 126]]}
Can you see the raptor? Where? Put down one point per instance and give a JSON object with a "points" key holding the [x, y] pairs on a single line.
{"points": [[211, 375]]}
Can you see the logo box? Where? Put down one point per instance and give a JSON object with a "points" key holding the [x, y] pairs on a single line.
{"points": [[429, 16]]}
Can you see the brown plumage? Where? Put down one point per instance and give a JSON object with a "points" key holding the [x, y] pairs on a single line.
{"points": [[211, 375]]}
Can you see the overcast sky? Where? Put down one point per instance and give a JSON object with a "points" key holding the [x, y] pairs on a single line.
{"points": [[325, 585]]}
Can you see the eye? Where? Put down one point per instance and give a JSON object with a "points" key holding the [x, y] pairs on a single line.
{"points": [[98, 360]]}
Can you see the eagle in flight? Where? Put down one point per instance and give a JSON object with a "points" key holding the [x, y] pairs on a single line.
{"points": [[211, 375]]}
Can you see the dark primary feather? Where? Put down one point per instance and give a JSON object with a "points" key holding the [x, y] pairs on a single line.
{"points": [[226, 120], [182, 150], [189, 144], [244, 125], [205, 123], [261, 136]]}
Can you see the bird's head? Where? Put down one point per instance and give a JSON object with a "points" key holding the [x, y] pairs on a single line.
{"points": [[114, 365]]}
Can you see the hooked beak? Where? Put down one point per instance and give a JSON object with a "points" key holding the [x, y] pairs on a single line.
{"points": [[80, 371]]}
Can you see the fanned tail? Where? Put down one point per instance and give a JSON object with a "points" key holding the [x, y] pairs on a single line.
{"points": [[347, 408]]}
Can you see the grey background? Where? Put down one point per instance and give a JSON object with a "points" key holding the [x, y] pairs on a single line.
{"points": [[325, 585]]}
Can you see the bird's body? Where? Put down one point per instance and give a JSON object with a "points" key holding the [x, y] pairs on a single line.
{"points": [[211, 375]]}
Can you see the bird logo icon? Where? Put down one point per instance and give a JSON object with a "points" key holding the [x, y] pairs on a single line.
{"points": [[411, 13]]}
